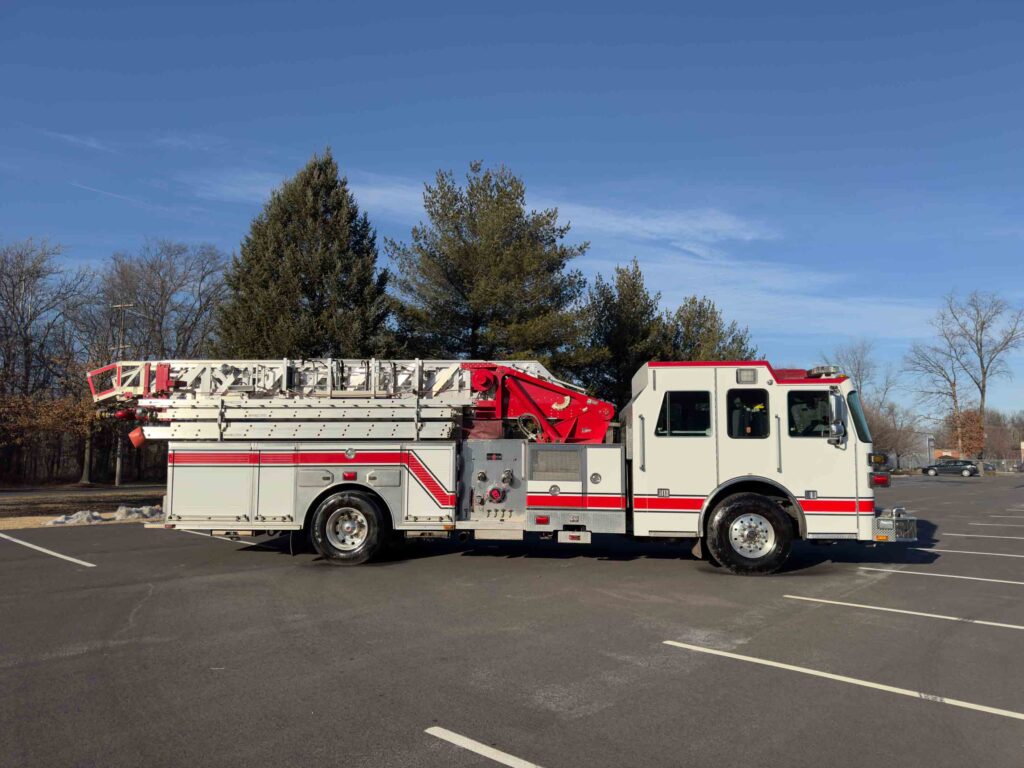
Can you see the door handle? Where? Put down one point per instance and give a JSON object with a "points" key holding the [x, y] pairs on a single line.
{"points": [[778, 440], [643, 452]]}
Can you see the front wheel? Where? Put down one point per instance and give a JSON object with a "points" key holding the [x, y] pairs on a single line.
{"points": [[348, 528], [750, 535], [966, 473]]}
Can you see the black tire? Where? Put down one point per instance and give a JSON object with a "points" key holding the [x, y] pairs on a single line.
{"points": [[777, 542], [370, 531], [932, 472], [967, 473]]}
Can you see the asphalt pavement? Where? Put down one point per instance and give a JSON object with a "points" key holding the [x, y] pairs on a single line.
{"points": [[158, 647]]}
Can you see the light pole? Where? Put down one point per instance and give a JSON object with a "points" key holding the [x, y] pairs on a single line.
{"points": [[122, 310]]}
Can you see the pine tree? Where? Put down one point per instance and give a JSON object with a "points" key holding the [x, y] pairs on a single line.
{"points": [[621, 328], [485, 277], [697, 331], [306, 282]]}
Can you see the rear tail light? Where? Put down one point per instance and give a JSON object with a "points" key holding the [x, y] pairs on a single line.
{"points": [[880, 480], [542, 520]]}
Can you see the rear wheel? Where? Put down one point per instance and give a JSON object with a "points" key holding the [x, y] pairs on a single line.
{"points": [[932, 472], [348, 528], [750, 535]]}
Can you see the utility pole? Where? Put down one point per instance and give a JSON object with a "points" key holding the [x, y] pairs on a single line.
{"points": [[122, 310]]}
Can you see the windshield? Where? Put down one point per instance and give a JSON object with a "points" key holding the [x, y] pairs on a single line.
{"points": [[859, 420]]}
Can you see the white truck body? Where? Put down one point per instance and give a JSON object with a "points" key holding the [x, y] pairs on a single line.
{"points": [[411, 437]]}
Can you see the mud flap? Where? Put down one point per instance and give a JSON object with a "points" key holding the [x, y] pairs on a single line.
{"points": [[698, 549]]}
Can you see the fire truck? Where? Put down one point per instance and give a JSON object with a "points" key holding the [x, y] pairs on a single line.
{"points": [[737, 456]]}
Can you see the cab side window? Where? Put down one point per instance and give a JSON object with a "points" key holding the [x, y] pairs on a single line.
{"points": [[808, 414], [684, 414], [748, 413]]}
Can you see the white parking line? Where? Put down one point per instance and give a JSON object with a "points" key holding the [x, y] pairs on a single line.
{"points": [[940, 575], [964, 552], [852, 681], [47, 551], [1011, 517], [908, 613], [1000, 525], [481, 749], [983, 536]]}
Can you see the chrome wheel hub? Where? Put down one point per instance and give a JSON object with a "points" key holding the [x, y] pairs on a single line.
{"points": [[347, 529], [752, 535]]}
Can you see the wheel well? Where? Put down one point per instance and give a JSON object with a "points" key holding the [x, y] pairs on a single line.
{"points": [[347, 487], [762, 488]]}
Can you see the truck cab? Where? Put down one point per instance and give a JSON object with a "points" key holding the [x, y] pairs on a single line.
{"points": [[747, 458]]}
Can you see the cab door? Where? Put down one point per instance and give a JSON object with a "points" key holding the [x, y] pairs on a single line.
{"points": [[674, 461], [820, 474]]}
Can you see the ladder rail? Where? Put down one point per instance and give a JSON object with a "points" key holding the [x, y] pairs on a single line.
{"points": [[316, 377]]}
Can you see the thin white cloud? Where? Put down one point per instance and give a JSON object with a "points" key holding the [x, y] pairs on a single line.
{"points": [[137, 202], [388, 197], [192, 142], [694, 230], [78, 140], [232, 185], [782, 300]]}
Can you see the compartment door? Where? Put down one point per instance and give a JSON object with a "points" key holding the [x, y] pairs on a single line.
{"points": [[212, 484], [275, 500], [430, 490]]}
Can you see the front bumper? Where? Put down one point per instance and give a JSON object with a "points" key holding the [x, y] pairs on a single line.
{"points": [[894, 525]]}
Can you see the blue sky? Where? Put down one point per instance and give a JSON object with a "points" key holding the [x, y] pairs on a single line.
{"points": [[822, 173]]}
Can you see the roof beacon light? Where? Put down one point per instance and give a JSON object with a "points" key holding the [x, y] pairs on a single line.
{"points": [[823, 371]]}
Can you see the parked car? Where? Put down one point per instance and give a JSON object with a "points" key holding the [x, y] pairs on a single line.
{"points": [[989, 467], [951, 467]]}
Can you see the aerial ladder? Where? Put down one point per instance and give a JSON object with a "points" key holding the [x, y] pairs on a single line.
{"points": [[330, 399]]}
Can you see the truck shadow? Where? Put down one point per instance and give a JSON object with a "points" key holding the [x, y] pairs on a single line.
{"points": [[806, 554]]}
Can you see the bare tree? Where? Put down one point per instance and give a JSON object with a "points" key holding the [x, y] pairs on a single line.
{"points": [[874, 382], [938, 373], [894, 429], [986, 329], [36, 297], [40, 387], [175, 289]]}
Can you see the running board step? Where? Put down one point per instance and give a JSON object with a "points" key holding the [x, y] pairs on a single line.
{"points": [[497, 535]]}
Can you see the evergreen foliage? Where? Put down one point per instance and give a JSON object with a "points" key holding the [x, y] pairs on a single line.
{"points": [[621, 328], [306, 282], [485, 277], [697, 331]]}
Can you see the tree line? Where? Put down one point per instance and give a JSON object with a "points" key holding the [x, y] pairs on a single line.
{"points": [[949, 377], [482, 276]]}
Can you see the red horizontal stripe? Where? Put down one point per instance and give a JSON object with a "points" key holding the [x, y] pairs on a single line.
{"points": [[606, 502], [667, 504], [837, 506], [220, 457], [568, 501]]}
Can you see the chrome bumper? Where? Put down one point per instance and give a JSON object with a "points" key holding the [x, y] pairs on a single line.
{"points": [[894, 525]]}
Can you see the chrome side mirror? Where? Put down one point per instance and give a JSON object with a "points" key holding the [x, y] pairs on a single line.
{"points": [[836, 417], [836, 433]]}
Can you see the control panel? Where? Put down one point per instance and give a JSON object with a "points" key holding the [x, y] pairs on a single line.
{"points": [[492, 482]]}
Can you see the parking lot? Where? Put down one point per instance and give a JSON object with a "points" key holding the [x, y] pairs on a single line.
{"points": [[126, 646]]}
